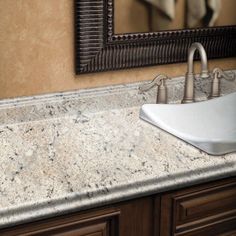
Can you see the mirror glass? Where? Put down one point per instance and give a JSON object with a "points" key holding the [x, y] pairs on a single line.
{"points": [[136, 16]]}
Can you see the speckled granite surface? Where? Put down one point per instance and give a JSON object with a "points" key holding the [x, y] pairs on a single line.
{"points": [[67, 152]]}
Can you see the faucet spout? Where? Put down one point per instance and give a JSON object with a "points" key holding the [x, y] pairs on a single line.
{"points": [[203, 56], [189, 79]]}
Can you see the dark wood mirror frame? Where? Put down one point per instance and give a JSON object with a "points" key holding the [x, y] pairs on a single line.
{"points": [[97, 48]]}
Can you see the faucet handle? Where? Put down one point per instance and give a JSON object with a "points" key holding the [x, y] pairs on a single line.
{"points": [[219, 74], [158, 81]]}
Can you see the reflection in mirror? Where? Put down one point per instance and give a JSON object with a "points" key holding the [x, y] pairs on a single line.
{"points": [[133, 16]]}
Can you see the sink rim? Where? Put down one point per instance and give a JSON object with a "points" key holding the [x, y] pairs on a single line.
{"points": [[193, 139]]}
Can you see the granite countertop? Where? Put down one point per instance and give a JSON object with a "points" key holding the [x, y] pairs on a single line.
{"points": [[72, 151]]}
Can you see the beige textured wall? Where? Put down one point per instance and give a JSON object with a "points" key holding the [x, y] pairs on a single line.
{"points": [[36, 52]]}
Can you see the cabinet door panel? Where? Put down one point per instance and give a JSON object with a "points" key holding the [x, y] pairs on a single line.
{"points": [[95, 223], [225, 228], [208, 210], [205, 207], [129, 218], [92, 230]]}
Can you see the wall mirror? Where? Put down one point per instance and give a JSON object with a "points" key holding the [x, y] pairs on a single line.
{"points": [[119, 34], [134, 16]]}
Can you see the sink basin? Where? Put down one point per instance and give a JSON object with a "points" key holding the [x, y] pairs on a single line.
{"points": [[209, 125]]}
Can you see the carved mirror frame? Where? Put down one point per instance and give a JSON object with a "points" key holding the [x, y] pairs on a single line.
{"points": [[97, 48]]}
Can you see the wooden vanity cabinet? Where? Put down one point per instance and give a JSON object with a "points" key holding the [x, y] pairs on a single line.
{"points": [[204, 210], [130, 218], [95, 223], [208, 210]]}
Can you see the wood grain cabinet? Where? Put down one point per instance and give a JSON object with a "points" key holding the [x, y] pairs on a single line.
{"points": [[130, 218], [96, 223], [204, 210]]}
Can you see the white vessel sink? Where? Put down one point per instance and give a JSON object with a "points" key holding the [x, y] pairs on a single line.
{"points": [[209, 125]]}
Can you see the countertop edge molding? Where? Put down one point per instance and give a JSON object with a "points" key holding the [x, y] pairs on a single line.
{"points": [[74, 202]]}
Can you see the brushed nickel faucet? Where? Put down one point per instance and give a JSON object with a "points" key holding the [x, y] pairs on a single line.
{"points": [[189, 95], [158, 81], [219, 74]]}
